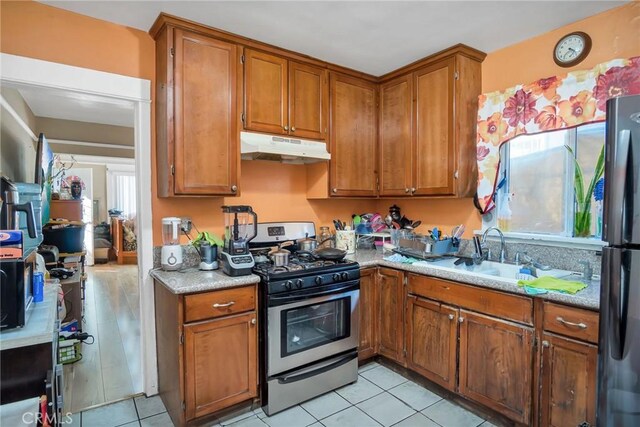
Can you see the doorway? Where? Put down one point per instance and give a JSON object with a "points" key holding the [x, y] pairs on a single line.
{"points": [[84, 84]]}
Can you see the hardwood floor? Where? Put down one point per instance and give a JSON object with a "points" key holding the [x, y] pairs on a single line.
{"points": [[110, 369]]}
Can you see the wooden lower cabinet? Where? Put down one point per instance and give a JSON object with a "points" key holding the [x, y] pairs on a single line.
{"points": [[208, 365], [432, 338], [368, 307], [391, 295], [495, 366], [220, 363], [568, 378]]}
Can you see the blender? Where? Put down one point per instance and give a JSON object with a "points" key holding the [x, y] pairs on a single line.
{"points": [[171, 258], [240, 227]]}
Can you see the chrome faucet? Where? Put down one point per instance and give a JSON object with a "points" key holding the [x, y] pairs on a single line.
{"points": [[483, 244]]}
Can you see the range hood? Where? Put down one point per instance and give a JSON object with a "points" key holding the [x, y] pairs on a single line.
{"points": [[257, 146]]}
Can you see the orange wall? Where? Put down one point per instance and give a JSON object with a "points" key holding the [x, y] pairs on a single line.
{"points": [[615, 34], [275, 191]]}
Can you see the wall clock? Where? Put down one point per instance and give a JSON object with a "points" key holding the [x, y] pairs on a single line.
{"points": [[572, 49]]}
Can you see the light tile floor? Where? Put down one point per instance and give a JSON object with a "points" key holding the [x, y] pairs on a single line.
{"points": [[380, 397]]}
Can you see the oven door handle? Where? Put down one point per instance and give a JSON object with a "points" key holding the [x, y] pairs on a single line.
{"points": [[328, 367], [276, 300]]}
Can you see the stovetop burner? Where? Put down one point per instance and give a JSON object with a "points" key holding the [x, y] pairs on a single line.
{"points": [[298, 263]]}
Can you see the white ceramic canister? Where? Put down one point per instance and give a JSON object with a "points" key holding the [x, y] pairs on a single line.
{"points": [[346, 240]]}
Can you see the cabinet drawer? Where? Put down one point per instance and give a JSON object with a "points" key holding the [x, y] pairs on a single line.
{"points": [[572, 322], [219, 303], [499, 304]]}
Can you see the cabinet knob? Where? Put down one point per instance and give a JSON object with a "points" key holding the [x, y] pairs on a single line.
{"points": [[334, 190], [460, 319], [286, 127], [293, 129], [413, 190], [545, 343], [253, 321], [234, 188], [406, 190], [451, 316]]}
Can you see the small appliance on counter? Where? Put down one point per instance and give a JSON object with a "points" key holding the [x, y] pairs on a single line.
{"points": [[240, 227], [10, 206], [208, 257], [171, 256]]}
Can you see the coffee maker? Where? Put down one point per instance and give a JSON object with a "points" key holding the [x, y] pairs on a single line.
{"points": [[240, 227], [171, 256], [10, 206]]}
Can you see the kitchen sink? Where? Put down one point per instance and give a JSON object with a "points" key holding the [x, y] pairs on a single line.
{"points": [[496, 269]]}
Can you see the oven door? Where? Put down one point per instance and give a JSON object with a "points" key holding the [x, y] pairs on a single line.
{"points": [[308, 327]]}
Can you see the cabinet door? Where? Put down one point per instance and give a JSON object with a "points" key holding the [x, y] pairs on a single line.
{"points": [[496, 364], [432, 338], [568, 382], [368, 314], [221, 363], [308, 101], [396, 102], [390, 314], [206, 134], [353, 137], [265, 91], [434, 144]]}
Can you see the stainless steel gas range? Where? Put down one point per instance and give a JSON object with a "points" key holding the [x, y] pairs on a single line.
{"points": [[309, 317]]}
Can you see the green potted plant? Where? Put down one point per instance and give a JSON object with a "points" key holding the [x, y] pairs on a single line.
{"points": [[582, 218]]}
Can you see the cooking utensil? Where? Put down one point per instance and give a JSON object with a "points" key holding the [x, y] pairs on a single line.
{"points": [[331, 254], [338, 224], [280, 256], [458, 231], [389, 221], [307, 244], [414, 225], [435, 234]]}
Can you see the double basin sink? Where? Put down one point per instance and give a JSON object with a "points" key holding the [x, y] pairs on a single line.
{"points": [[494, 269]]}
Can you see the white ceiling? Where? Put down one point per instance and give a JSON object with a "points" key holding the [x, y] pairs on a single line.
{"points": [[75, 106], [371, 36]]}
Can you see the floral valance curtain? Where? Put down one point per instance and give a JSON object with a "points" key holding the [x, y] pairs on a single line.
{"points": [[553, 103]]}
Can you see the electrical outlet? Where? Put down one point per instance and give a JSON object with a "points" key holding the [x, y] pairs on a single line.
{"points": [[185, 224]]}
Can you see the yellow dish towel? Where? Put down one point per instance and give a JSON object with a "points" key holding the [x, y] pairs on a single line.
{"points": [[552, 284]]}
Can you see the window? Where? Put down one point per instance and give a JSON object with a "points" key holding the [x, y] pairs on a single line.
{"points": [[121, 192], [536, 181]]}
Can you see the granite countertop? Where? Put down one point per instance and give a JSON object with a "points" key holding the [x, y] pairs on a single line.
{"points": [[586, 298], [191, 280], [39, 327]]}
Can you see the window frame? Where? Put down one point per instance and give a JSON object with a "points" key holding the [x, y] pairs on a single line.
{"points": [[564, 239]]}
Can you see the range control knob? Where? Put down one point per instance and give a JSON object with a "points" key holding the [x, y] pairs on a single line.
{"points": [[336, 277], [299, 283], [318, 280], [344, 275], [288, 284]]}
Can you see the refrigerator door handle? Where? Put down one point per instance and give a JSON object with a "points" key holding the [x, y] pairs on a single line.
{"points": [[616, 232], [618, 282]]}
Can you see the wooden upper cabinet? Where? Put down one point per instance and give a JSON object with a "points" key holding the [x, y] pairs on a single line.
{"points": [[428, 135], [496, 364], [434, 144], [368, 306], [391, 314], [285, 97], [197, 115], [396, 113], [265, 88], [352, 170], [568, 392], [308, 101], [220, 363], [432, 340]]}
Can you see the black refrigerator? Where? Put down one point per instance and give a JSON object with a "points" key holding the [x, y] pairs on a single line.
{"points": [[619, 345]]}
